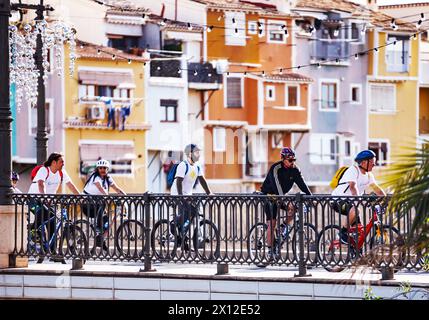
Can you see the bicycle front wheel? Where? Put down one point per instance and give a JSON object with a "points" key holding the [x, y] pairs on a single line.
{"points": [[310, 243], [386, 247], [129, 239], [73, 242], [164, 240], [256, 242], [206, 240]]}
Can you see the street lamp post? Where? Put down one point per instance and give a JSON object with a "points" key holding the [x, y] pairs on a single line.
{"points": [[5, 111]]}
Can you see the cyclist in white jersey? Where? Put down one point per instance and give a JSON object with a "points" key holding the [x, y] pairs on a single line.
{"points": [[355, 180]]}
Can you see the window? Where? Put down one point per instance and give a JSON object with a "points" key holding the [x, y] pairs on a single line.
{"points": [[381, 150], [382, 98], [91, 91], [329, 96], [270, 93], [49, 118], [169, 110], [323, 148], [261, 27], [120, 154], [277, 140], [292, 96], [124, 43], [276, 33], [356, 94], [355, 32], [219, 139], [252, 27], [347, 148], [235, 28], [234, 92], [397, 54]]}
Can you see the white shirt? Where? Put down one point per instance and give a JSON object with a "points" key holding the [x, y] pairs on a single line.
{"points": [[52, 182], [91, 188], [16, 190], [194, 171], [353, 174]]}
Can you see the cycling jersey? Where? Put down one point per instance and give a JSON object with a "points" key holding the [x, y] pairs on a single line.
{"points": [[280, 180]]}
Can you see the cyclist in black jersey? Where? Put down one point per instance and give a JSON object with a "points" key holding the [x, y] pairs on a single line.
{"points": [[280, 179]]}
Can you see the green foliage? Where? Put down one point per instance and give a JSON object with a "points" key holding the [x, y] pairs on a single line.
{"points": [[369, 295], [408, 180]]}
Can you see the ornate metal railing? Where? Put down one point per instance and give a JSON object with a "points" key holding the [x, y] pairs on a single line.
{"points": [[221, 228]]}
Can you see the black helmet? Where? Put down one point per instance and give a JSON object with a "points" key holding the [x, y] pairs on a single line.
{"points": [[191, 148]]}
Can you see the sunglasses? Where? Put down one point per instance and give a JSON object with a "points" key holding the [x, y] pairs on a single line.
{"points": [[291, 160], [104, 168]]}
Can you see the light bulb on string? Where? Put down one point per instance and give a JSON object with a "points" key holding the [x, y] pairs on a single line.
{"points": [[419, 24], [337, 61], [363, 30], [319, 66], [219, 18], [234, 22], [286, 33], [356, 56], [129, 61], [422, 15], [98, 51], [209, 28], [113, 56], [179, 71], [195, 73], [393, 24], [281, 71], [337, 32]]}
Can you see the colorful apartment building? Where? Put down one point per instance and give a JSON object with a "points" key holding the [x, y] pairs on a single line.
{"points": [[261, 103], [105, 116]]}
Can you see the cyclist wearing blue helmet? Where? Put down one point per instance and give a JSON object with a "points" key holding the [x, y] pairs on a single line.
{"points": [[280, 179], [355, 180]]}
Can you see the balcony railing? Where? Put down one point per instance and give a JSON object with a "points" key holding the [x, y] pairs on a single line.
{"points": [[166, 68], [203, 75], [330, 50]]}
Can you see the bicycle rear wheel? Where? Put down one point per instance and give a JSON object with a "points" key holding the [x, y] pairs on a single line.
{"points": [[332, 253], [129, 239], [89, 231], [164, 240]]}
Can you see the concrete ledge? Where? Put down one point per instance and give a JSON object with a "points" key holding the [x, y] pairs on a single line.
{"points": [[9, 209]]}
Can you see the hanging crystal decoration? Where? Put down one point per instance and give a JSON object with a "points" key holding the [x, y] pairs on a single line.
{"points": [[22, 48]]}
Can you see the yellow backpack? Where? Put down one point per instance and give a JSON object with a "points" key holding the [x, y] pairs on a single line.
{"points": [[337, 177]]}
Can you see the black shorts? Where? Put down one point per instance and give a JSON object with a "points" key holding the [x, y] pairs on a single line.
{"points": [[271, 208], [342, 206]]}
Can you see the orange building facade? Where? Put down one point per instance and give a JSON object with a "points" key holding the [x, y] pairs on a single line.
{"points": [[262, 101]]}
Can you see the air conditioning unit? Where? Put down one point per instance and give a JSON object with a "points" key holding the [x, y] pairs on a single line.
{"points": [[95, 112], [222, 66]]}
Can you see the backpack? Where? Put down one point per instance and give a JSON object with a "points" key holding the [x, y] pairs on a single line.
{"points": [[171, 175], [337, 177], [36, 169]]}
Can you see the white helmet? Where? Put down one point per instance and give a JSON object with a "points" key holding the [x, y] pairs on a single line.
{"points": [[103, 163]]}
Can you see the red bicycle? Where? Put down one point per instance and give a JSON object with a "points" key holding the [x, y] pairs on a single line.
{"points": [[335, 256]]}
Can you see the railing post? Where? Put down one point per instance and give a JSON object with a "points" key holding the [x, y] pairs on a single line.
{"points": [[147, 230], [302, 268]]}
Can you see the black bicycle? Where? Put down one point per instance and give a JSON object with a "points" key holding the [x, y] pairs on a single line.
{"points": [[172, 239], [284, 235]]}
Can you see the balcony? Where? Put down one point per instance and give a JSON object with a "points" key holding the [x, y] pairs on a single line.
{"points": [[166, 68], [202, 76], [256, 170], [330, 50]]}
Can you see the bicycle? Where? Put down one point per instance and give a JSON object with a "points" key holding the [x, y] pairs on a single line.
{"points": [[284, 234], [127, 232], [330, 246], [73, 236], [167, 236]]}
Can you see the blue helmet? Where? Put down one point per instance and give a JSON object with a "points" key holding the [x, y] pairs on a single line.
{"points": [[365, 155]]}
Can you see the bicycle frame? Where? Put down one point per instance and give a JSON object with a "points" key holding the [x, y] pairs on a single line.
{"points": [[43, 225], [363, 231]]}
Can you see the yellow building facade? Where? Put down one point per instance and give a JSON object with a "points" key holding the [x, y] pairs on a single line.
{"points": [[105, 116], [393, 92]]}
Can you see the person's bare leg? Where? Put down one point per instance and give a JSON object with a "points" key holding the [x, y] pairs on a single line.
{"points": [[270, 232], [351, 218], [290, 213]]}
